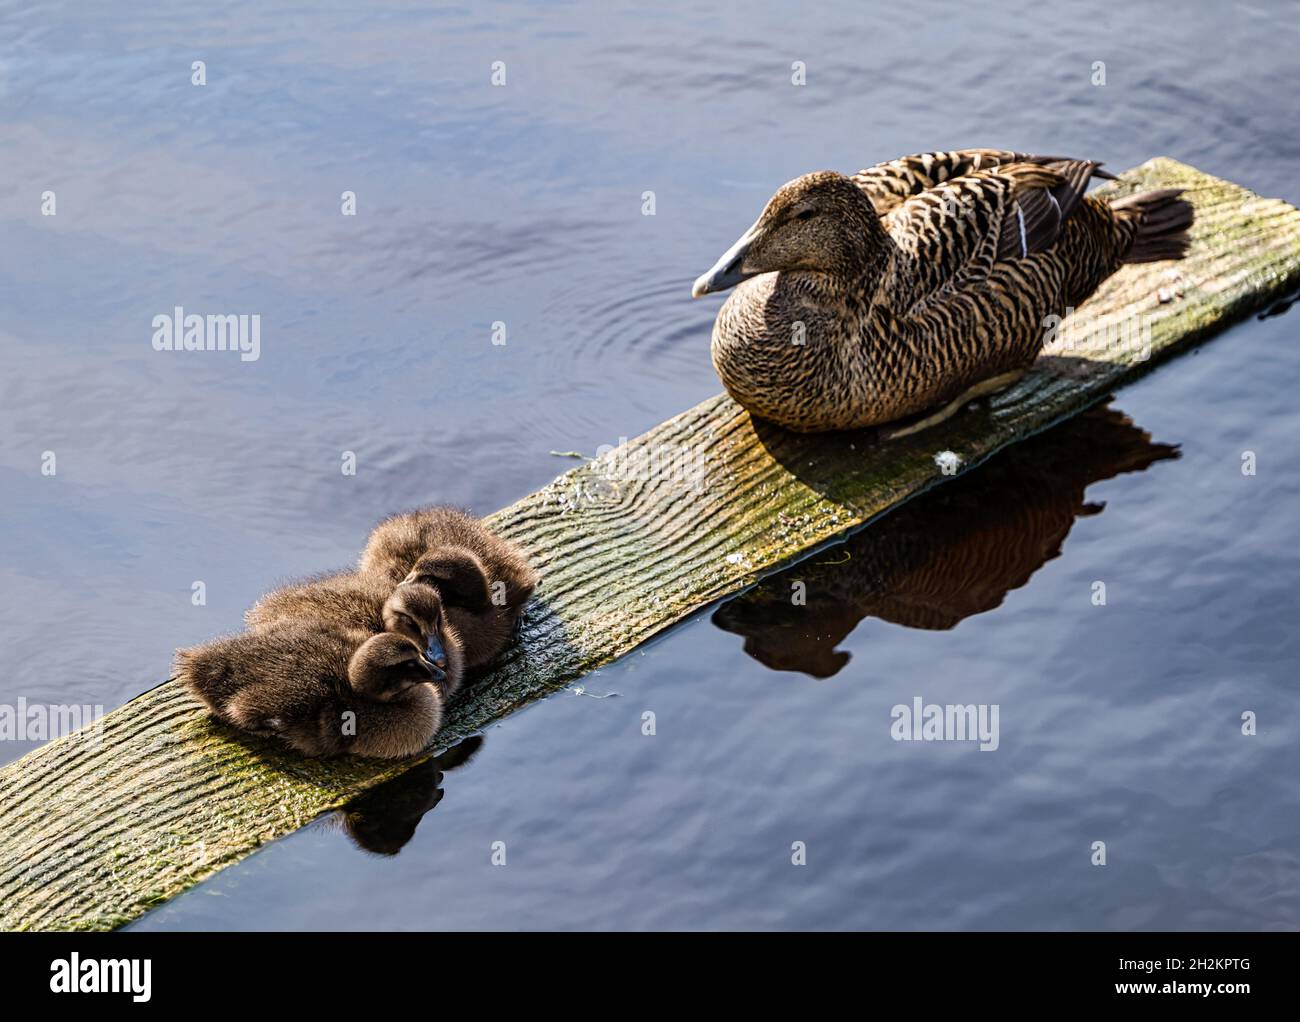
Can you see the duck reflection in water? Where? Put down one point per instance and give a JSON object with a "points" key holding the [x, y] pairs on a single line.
{"points": [[950, 553], [384, 819]]}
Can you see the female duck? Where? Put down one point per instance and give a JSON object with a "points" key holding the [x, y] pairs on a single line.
{"points": [[917, 285]]}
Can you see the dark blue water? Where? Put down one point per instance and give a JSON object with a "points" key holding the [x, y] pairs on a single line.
{"points": [[522, 205]]}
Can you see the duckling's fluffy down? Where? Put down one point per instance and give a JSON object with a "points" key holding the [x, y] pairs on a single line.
{"points": [[485, 591], [294, 683]]}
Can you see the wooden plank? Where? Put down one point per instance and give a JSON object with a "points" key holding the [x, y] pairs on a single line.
{"points": [[95, 831]]}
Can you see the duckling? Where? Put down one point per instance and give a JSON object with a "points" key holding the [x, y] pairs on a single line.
{"points": [[317, 690], [342, 599], [918, 285], [361, 605], [416, 611], [483, 579]]}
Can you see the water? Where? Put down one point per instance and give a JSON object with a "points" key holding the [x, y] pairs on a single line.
{"points": [[522, 205]]}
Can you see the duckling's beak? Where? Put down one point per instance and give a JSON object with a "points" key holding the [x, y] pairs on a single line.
{"points": [[436, 657], [729, 270]]}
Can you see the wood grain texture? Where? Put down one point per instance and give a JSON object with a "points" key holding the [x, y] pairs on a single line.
{"points": [[98, 827]]}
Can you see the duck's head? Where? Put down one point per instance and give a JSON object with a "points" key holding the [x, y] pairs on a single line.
{"points": [[458, 576], [414, 611], [821, 222], [388, 665]]}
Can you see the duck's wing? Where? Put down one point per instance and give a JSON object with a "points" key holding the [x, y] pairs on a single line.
{"points": [[950, 236], [889, 185]]}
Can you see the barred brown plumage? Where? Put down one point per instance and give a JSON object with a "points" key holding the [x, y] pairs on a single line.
{"points": [[918, 284]]}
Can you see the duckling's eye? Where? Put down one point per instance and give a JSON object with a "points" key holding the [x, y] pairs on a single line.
{"points": [[805, 214]]}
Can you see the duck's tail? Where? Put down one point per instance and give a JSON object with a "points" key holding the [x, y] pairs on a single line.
{"points": [[1162, 219]]}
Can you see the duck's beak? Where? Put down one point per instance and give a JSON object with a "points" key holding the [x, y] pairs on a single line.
{"points": [[436, 657], [729, 270]]}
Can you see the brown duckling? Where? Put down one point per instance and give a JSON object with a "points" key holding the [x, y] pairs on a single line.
{"points": [[361, 605], [338, 599], [483, 579], [319, 691], [416, 611], [915, 286]]}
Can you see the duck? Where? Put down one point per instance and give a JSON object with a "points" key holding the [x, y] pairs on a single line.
{"points": [[484, 580], [317, 690], [363, 604], [893, 297]]}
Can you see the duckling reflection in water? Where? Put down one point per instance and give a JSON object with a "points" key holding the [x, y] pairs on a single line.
{"points": [[946, 555], [384, 819], [484, 581]]}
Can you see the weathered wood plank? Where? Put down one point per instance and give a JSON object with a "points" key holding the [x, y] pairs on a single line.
{"points": [[95, 832]]}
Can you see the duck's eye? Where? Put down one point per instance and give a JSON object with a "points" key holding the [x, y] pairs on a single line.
{"points": [[805, 214]]}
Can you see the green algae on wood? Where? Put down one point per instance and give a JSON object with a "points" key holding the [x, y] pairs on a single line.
{"points": [[98, 827]]}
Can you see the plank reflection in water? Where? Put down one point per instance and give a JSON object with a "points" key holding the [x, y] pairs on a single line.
{"points": [[953, 552]]}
